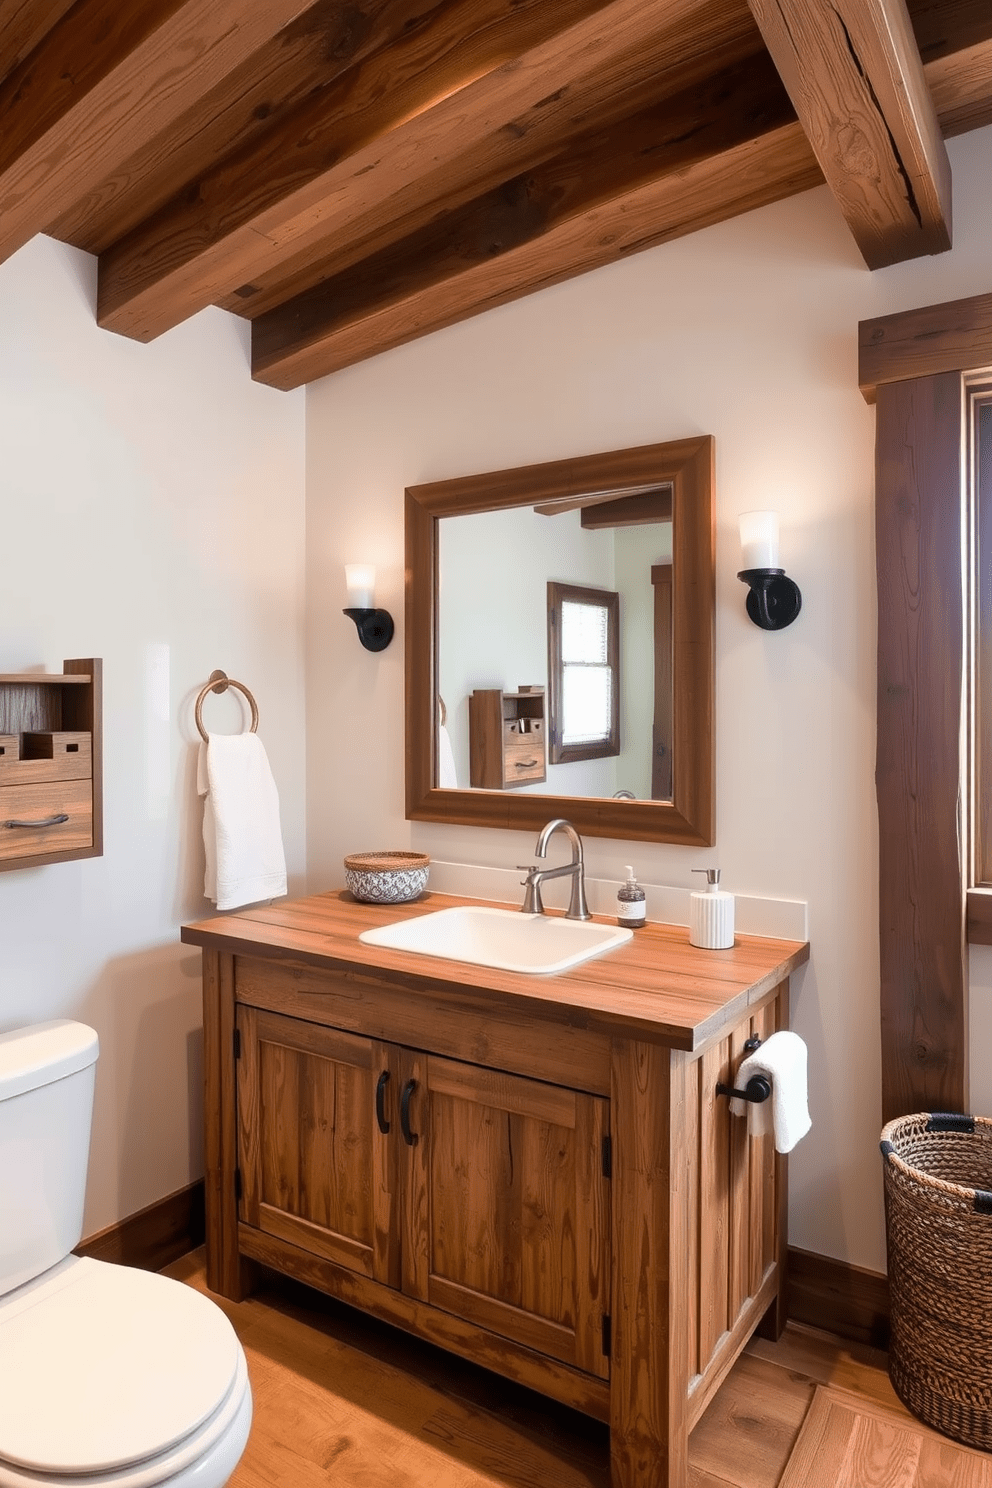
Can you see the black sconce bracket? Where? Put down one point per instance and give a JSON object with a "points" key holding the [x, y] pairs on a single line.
{"points": [[375, 628], [773, 600]]}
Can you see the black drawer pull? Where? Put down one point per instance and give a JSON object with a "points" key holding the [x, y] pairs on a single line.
{"points": [[380, 1103], [410, 1137], [49, 821], [525, 764]]}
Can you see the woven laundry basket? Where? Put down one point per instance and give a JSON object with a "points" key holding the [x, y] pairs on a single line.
{"points": [[938, 1223]]}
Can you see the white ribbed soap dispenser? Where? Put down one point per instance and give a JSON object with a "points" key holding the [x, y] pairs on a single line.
{"points": [[711, 914]]}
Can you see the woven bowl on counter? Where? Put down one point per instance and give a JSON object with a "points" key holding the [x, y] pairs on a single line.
{"points": [[386, 877]]}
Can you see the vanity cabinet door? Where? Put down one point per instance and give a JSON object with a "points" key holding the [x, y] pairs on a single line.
{"points": [[316, 1168], [509, 1201]]}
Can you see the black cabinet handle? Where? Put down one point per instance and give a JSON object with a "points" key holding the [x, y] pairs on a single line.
{"points": [[380, 1103], [410, 1137], [49, 821]]}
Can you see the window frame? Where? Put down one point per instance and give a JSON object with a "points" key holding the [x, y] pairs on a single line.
{"points": [[978, 395], [608, 599]]}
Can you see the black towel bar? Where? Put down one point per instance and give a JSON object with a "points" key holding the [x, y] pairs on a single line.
{"points": [[758, 1088]]}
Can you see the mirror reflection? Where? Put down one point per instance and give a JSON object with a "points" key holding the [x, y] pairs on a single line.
{"points": [[559, 645], [554, 647]]}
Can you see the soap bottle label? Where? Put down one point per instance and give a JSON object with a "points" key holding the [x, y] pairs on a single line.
{"points": [[630, 911]]}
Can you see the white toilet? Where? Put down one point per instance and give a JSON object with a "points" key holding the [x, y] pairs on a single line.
{"points": [[108, 1375]]}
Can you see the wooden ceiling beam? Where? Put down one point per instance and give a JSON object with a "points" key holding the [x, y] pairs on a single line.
{"points": [[961, 88], [297, 64], [107, 77], [697, 159], [23, 24], [406, 112], [713, 37], [855, 77]]}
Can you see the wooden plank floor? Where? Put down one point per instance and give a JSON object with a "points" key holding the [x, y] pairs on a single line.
{"points": [[340, 1397]]}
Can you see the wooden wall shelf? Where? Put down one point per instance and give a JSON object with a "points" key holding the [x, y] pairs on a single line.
{"points": [[51, 765], [507, 734]]}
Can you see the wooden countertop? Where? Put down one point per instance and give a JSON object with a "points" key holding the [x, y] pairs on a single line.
{"points": [[655, 986]]}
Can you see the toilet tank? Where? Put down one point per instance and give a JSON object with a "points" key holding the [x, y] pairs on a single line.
{"points": [[47, 1073]]}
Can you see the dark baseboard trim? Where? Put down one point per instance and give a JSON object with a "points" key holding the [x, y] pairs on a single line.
{"points": [[154, 1237], [838, 1297]]}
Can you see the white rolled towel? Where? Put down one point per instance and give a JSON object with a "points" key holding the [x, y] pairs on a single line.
{"points": [[782, 1060]]}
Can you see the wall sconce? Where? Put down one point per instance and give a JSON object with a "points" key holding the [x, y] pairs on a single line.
{"points": [[773, 600], [375, 627]]}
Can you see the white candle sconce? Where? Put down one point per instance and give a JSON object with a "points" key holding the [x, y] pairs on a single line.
{"points": [[375, 627], [773, 599]]}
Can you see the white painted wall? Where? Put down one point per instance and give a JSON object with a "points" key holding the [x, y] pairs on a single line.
{"points": [[153, 514], [747, 331], [494, 569]]}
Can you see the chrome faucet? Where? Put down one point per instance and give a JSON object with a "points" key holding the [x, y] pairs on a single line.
{"points": [[578, 909]]}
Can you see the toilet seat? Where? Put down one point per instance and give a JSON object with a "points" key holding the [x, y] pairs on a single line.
{"points": [[116, 1376]]}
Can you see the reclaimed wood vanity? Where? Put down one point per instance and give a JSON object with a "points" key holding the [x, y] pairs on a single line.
{"points": [[533, 1172]]}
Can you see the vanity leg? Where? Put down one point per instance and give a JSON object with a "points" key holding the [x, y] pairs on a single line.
{"points": [[224, 1268], [649, 1433]]}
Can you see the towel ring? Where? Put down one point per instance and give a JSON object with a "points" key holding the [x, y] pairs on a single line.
{"points": [[220, 682]]}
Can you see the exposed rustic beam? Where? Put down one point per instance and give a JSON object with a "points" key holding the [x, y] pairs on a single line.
{"points": [[961, 88], [692, 46], [921, 767], [630, 511], [406, 114], [855, 76], [295, 66], [104, 80], [697, 159], [922, 343], [23, 24]]}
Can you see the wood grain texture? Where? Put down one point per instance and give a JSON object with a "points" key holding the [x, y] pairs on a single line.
{"points": [[36, 707], [688, 466], [951, 337], [652, 54], [500, 1354], [102, 82], [855, 77], [649, 1434], [413, 105], [677, 166], [311, 1172], [849, 1441], [220, 1131], [23, 24], [337, 1393], [655, 985], [839, 1298], [510, 1190], [461, 1027], [153, 1237], [282, 79], [920, 773]]}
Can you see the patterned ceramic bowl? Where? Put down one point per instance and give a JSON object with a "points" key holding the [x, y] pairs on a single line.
{"points": [[386, 877]]}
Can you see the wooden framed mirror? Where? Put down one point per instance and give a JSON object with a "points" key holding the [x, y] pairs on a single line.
{"points": [[472, 586]]}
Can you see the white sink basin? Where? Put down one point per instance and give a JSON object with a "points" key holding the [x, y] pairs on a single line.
{"points": [[504, 938]]}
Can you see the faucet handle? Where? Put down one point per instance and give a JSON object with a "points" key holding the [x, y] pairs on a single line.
{"points": [[532, 898]]}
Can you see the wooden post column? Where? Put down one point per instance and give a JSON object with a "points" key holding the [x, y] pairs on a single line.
{"points": [[649, 1429]]}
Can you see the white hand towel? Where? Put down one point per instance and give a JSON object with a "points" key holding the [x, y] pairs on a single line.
{"points": [[241, 832], [447, 779], [782, 1060]]}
